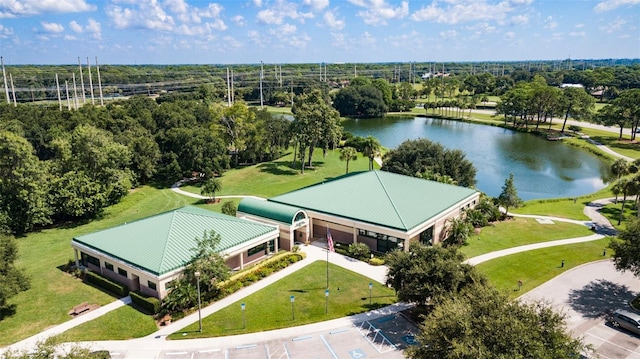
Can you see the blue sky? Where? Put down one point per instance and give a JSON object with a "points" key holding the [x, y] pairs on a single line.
{"points": [[314, 31]]}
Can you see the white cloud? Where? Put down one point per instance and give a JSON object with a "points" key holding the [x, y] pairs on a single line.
{"points": [[449, 34], [171, 16], [519, 19], [75, 27], [608, 5], [456, 11], [331, 21], [577, 33], [378, 11], [239, 20], [549, 23], [93, 28], [257, 3], [232, 42], [509, 35], [316, 5], [276, 14], [5, 32], [579, 26], [15, 8], [613, 26], [52, 27]]}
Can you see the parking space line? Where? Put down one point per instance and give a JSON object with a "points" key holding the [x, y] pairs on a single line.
{"points": [[614, 344], [286, 350], [247, 346], [335, 356], [301, 338], [177, 353], [339, 331], [209, 350]]}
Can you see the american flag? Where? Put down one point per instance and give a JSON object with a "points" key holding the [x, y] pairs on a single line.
{"points": [[330, 241]]}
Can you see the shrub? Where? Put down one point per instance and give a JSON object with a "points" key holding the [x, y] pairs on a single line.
{"points": [[295, 249], [104, 283], [375, 261], [149, 304], [575, 128], [358, 250]]}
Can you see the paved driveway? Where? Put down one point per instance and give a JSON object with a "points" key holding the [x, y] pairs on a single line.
{"points": [[585, 294]]}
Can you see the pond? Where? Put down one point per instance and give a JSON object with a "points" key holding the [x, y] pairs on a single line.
{"points": [[541, 168]]}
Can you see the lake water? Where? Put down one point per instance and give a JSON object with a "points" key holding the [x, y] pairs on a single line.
{"points": [[541, 168]]}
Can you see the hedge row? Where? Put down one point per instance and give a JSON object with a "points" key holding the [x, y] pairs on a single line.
{"points": [[149, 304], [105, 283], [262, 270]]}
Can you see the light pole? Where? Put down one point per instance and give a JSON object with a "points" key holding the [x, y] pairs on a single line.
{"points": [[197, 274], [370, 287], [293, 315], [244, 322], [326, 301]]}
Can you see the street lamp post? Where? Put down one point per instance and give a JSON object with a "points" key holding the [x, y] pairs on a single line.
{"points": [[197, 274], [244, 322], [326, 301], [293, 315], [370, 287]]}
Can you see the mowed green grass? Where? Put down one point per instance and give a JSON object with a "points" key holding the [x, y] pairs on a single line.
{"points": [[277, 177], [270, 308], [121, 324], [518, 232], [53, 292], [538, 266]]}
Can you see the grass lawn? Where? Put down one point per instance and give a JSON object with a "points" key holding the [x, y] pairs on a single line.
{"points": [[53, 292], [518, 232], [270, 308], [120, 324], [536, 267], [277, 177], [562, 207]]}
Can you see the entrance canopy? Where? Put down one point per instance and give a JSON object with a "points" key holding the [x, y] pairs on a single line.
{"points": [[278, 212]]}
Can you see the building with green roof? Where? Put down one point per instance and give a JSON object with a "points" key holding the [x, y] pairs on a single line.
{"points": [[149, 253], [381, 209]]}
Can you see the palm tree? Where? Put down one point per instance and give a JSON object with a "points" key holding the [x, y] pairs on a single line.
{"points": [[210, 187], [348, 154], [372, 149], [623, 186], [620, 168], [459, 229]]}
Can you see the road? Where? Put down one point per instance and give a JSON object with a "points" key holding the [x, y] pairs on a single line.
{"points": [[585, 294]]}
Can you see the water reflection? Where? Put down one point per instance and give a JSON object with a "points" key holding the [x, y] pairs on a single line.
{"points": [[542, 169]]}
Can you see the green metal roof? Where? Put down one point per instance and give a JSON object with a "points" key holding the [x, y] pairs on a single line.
{"points": [[383, 198], [162, 243], [266, 209]]}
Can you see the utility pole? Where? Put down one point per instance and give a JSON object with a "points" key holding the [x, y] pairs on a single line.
{"points": [[228, 88], [99, 82], [84, 99], [93, 102], [13, 91], [4, 76], [66, 87], [75, 91], [261, 73], [233, 92], [58, 87]]}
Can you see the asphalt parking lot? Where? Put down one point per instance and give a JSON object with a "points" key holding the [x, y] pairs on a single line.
{"points": [[585, 294], [384, 337]]}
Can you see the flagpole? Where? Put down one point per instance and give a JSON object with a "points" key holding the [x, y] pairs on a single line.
{"points": [[327, 257]]}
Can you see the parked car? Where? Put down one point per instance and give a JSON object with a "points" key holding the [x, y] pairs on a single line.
{"points": [[627, 320]]}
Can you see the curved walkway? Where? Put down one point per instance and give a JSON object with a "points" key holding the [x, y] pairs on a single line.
{"points": [[313, 252]]}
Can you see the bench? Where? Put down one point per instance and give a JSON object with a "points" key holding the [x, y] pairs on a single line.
{"points": [[80, 308]]}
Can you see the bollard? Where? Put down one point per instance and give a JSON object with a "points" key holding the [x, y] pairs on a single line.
{"points": [[519, 285], [604, 252], [562, 264]]}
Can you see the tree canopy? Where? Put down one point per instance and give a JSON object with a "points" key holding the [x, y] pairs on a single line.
{"points": [[509, 195], [626, 247], [481, 323], [427, 274], [12, 279], [416, 157]]}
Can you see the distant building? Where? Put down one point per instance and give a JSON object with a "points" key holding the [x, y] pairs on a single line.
{"points": [[571, 85]]}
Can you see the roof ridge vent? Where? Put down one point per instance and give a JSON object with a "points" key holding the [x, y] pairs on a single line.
{"points": [[393, 205]]}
